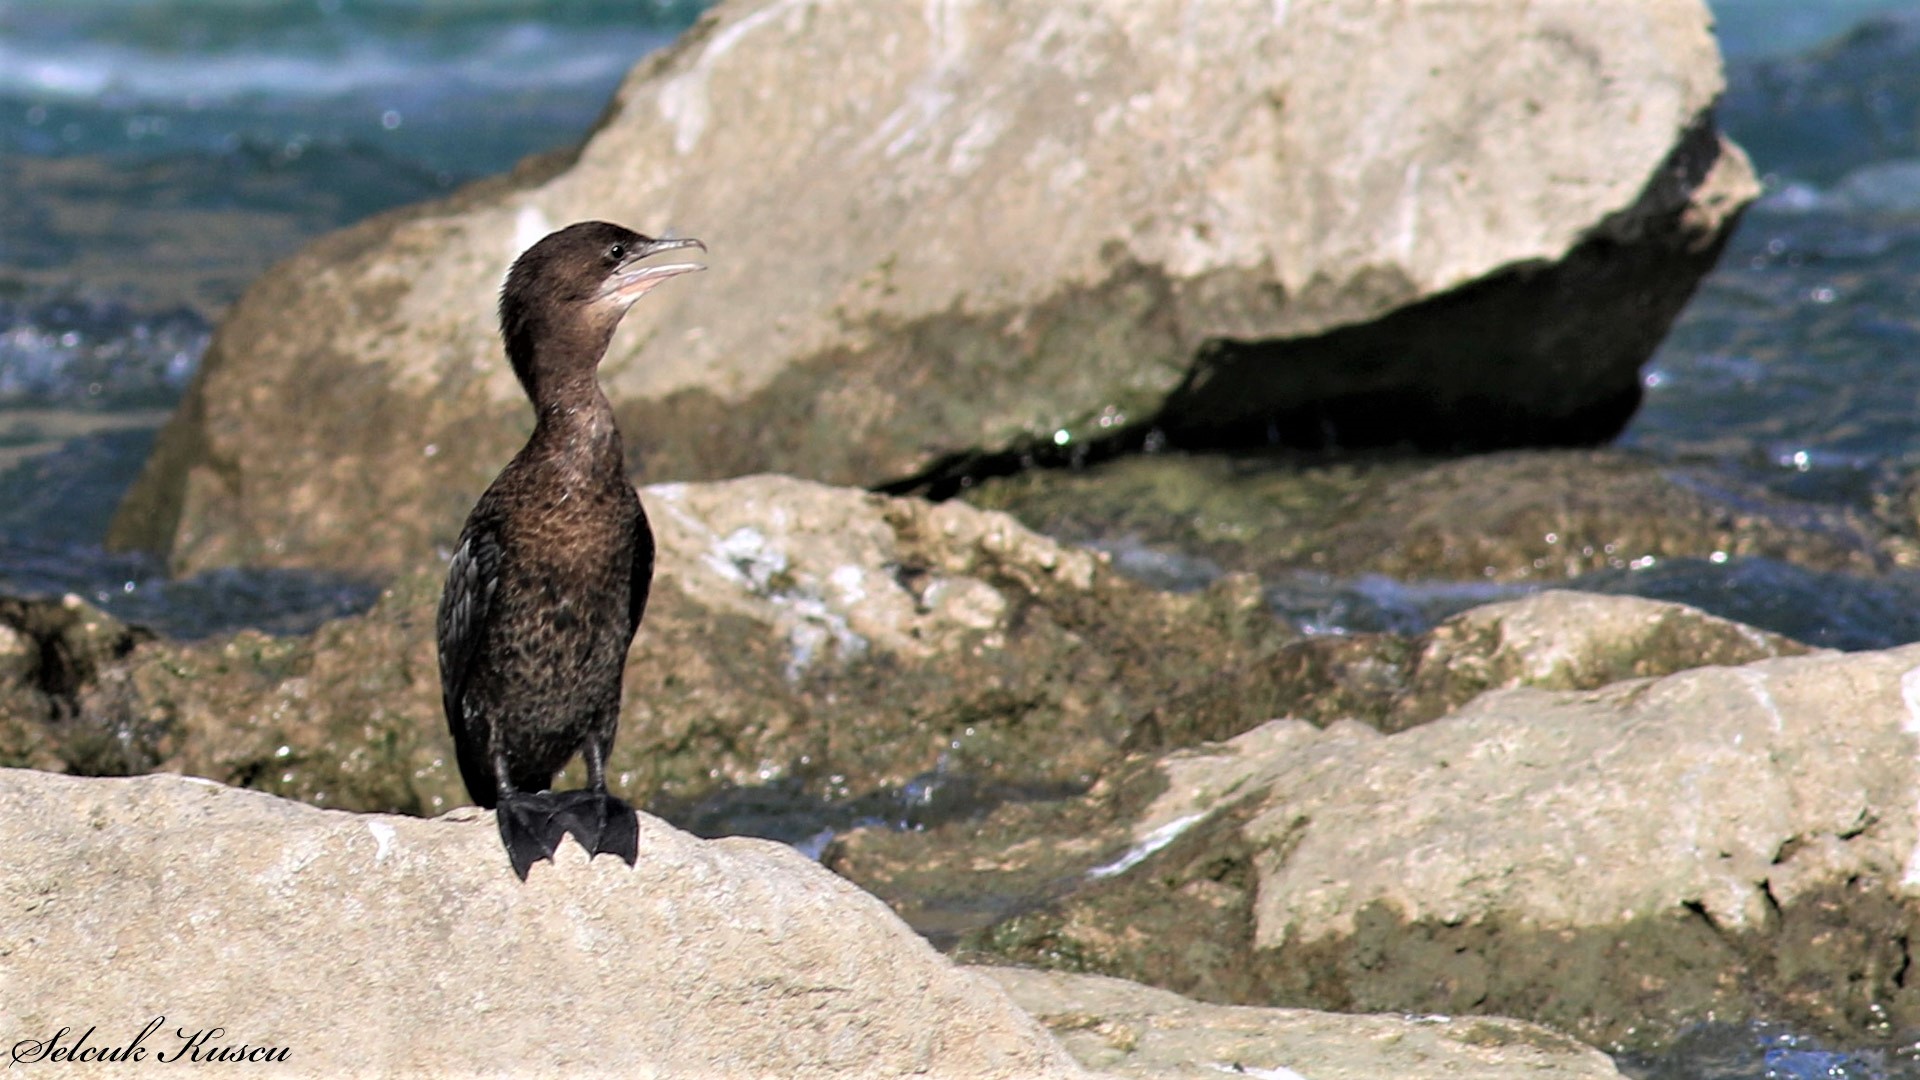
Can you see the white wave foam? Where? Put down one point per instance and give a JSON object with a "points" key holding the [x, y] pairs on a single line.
{"points": [[514, 57]]}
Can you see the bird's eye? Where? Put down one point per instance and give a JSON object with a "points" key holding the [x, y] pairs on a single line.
{"points": [[617, 252]]}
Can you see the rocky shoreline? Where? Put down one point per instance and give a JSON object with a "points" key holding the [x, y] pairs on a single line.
{"points": [[1152, 831], [1610, 815], [1615, 855]]}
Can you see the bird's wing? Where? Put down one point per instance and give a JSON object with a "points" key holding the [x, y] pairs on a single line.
{"points": [[641, 581], [472, 576]]}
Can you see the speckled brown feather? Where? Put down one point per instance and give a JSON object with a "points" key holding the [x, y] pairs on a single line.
{"points": [[541, 640]]}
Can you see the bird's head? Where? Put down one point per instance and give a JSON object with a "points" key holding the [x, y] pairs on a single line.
{"points": [[565, 295]]}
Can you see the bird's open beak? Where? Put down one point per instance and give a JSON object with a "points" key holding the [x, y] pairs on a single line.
{"points": [[632, 280]]}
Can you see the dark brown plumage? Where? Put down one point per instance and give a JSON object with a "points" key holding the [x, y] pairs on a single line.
{"points": [[550, 578]]}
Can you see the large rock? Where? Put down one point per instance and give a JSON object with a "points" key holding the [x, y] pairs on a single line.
{"points": [[977, 229], [826, 635], [1733, 842], [332, 944]]}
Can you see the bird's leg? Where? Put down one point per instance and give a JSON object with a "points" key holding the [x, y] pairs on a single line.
{"points": [[601, 821], [530, 826], [595, 755]]}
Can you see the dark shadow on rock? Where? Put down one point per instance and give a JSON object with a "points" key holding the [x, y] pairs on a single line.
{"points": [[796, 812], [961, 875], [1534, 355]]}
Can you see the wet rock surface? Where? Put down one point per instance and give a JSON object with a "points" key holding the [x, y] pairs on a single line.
{"points": [[904, 326], [1125, 1029], [53, 657], [910, 636], [1725, 841], [1554, 640], [1360, 544], [845, 643], [1543, 820], [357, 944], [1507, 517]]}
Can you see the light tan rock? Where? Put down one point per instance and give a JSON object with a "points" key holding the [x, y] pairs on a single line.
{"points": [[321, 943], [1618, 862], [376, 945], [1562, 639], [1126, 1029], [1588, 809], [976, 228]]}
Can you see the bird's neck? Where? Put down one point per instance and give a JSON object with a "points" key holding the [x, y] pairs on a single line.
{"points": [[573, 416]]}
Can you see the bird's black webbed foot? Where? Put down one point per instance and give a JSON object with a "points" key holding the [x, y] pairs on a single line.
{"points": [[603, 823], [530, 828]]}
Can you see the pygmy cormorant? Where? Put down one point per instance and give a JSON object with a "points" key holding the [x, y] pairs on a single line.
{"points": [[550, 577]]}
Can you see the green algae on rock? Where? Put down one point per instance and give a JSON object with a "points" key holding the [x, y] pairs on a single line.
{"points": [[57, 661], [1505, 517]]}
